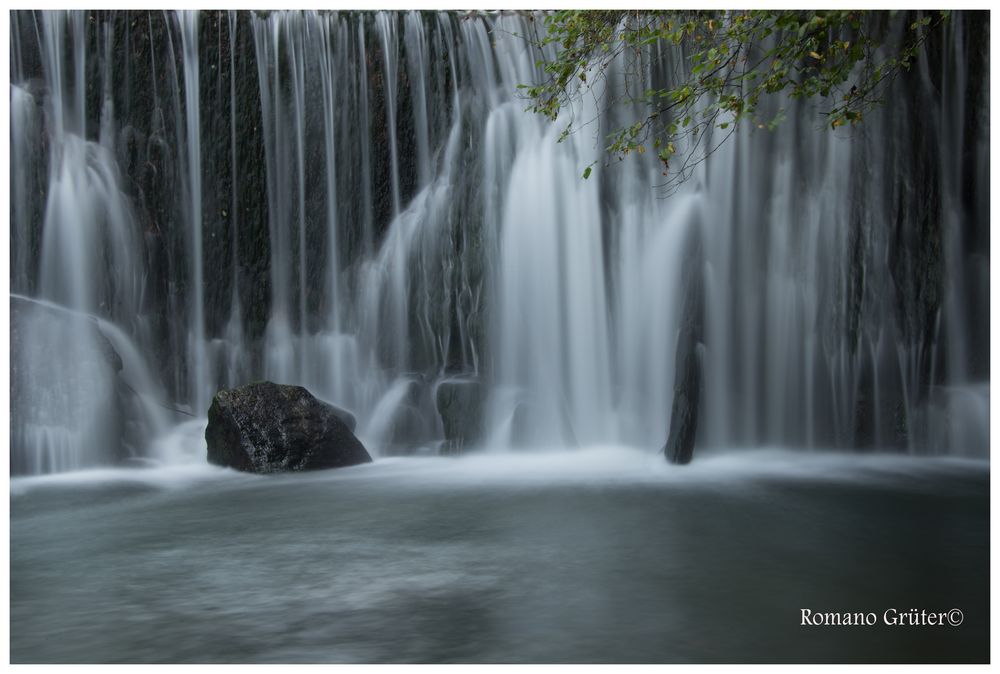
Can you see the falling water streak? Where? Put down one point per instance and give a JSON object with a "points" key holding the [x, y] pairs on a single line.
{"points": [[297, 68], [386, 22], [198, 370], [416, 60], [330, 85], [267, 33], [234, 328], [25, 124], [368, 209], [179, 337], [325, 43]]}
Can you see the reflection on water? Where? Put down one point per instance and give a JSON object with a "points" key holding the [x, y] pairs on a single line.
{"points": [[603, 555]]}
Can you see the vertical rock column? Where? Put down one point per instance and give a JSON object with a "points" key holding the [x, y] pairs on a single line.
{"points": [[687, 380]]}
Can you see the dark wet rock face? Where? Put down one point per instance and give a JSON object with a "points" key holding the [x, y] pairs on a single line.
{"points": [[344, 415], [686, 406], [270, 428], [687, 392], [461, 405]]}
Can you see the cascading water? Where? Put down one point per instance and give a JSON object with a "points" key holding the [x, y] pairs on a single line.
{"points": [[360, 204], [198, 367], [84, 238]]}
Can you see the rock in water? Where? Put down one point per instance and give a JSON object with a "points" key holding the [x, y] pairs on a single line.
{"points": [[67, 402], [688, 371], [270, 428], [687, 393], [461, 406], [344, 415]]}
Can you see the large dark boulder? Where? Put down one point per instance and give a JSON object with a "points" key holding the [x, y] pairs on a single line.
{"points": [[270, 428], [344, 415]]}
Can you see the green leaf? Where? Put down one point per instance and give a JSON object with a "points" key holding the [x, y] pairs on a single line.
{"points": [[586, 173], [803, 55]]}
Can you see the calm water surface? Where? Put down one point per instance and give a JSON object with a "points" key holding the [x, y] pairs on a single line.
{"points": [[602, 555]]}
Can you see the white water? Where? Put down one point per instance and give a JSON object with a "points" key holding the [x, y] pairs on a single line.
{"points": [[198, 369], [422, 225]]}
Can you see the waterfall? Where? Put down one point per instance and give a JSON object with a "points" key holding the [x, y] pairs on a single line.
{"points": [[198, 356], [233, 343], [387, 29], [360, 203]]}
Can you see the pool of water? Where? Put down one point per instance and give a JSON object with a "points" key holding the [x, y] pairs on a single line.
{"points": [[599, 555]]}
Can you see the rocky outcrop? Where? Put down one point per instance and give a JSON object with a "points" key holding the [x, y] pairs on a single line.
{"points": [[66, 398], [461, 404], [270, 428], [688, 370], [344, 415], [687, 394]]}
